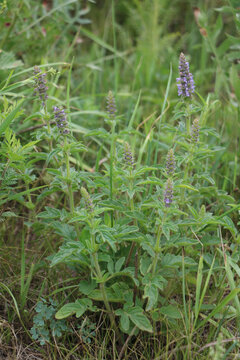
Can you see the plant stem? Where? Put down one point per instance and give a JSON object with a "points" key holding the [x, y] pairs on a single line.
{"points": [[188, 119], [157, 245], [102, 286], [135, 222], [46, 118], [112, 156], [69, 184]]}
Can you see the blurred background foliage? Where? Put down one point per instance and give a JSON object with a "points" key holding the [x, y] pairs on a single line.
{"points": [[130, 47]]}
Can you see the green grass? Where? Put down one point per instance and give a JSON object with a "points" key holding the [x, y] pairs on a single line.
{"points": [[87, 48]]}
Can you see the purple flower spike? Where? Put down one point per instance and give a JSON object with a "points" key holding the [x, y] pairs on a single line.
{"points": [[88, 201], [128, 156], [168, 194], [111, 105], [170, 164], [195, 131], [40, 85], [61, 120], [185, 82]]}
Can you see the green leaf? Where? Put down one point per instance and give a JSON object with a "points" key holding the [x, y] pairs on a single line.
{"points": [[66, 251], [144, 169], [111, 295], [8, 61], [145, 262], [185, 186], [171, 311], [170, 260], [119, 264], [124, 319], [107, 236], [78, 308], [87, 287], [98, 132], [150, 292], [230, 225], [11, 116], [139, 319], [185, 242]]}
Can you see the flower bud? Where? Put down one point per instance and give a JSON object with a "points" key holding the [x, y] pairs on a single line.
{"points": [[170, 163], [111, 105], [195, 131], [40, 85], [87, 199], [128, 156], [168, 194]]}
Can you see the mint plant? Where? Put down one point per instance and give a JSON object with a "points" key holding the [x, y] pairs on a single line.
{"points": [[136, 260]]}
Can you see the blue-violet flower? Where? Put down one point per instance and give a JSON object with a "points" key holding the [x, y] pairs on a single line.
{"points": [[185, 82], [61, 120], [40, 85]]}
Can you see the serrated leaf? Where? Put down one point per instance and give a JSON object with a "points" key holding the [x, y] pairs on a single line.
{"points": [[87, 287], [150, 292], [124, 319], [66, 251], [10, 117], [119, 264], [139, 319], [8, 61], [108, 237], [170, 311], [8, 214], [111, 295], [143, 169], [185, 186], [78, 308], [185, 242], [170, 260]]}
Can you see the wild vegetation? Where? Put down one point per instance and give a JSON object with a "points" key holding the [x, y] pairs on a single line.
{"points": [[119, 172]]}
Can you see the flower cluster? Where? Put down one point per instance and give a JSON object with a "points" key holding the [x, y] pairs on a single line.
{"points": [[40, 85], [61, 119], [170, 163], [185, 82], [168, 194], [87, 199], [128, 156], [195, 131], [111, 105]]}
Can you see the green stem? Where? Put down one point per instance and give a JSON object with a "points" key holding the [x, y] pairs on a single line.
{"points": [[46, 118], [135, 222], [188, 120], [112, 156], [69, 184], [157, 249], [157, 245], [102, 287]]}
